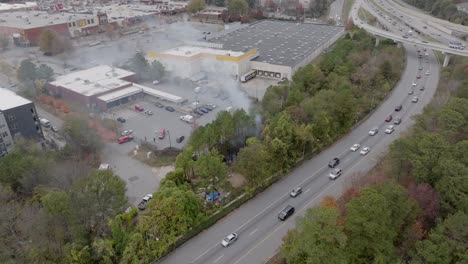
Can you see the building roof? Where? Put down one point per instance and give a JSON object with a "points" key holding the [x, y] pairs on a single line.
{"points": [[12, 7], [37, 19], [9, 100], [119, 12], [92, 81], [190, 51], [278, 42], [125, 92], [161, 94]]}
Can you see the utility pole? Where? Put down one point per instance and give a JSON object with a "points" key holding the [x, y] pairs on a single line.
{"points": [[169, 136]]}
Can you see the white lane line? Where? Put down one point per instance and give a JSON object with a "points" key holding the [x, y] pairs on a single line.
{"points": [[307, 190], [220, 257], [253, 232]]}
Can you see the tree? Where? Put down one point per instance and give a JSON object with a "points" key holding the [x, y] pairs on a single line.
{"points": [[95, 200], [428, 200], [27, 71], [51, 43], [82, 138], [219, 3], [211, 168], [237, 7], [45, 72], [194, 6], [157, 70], [318, 238], [254, 162]]}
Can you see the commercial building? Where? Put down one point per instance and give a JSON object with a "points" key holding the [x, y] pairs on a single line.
{"points": [[282, 46], [18, 118], [190, 61], [103, 87]]}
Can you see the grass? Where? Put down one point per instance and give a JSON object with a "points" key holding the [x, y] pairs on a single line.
{"points": [[276, 259]]}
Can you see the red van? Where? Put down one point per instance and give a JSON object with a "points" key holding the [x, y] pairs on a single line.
{"points": [[139, 108]]}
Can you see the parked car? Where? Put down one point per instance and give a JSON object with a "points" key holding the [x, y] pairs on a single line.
{"points": [[149, 112], [162, 133], [388, 118], [126, 132], [124, 139], [355, 147], [121, 119], [334, 162], [229, 240], [364, 151], [335, 173], [139, 108], [198, 111], [144, 201], [180, 139], [389, 129], [398, 108], [155, 82], [373, 131], [286, 212], [295, 192], [187, 119], [203, 109], [54, 129], [159, 105], [170, 108]]}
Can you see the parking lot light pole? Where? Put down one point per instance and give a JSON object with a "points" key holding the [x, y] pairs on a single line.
{"points": [[169, 136]]}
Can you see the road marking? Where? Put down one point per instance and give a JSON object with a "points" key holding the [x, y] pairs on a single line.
{"points": [[281, 225], [253, 232], [307, 190], [220, 257]]}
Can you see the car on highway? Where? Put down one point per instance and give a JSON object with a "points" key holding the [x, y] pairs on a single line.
{"points": [[126, 132], [420, 67], [334, 162], [415, 99], [364, 151], [229, 239], [389, 129], [121, 119], [422, 88], [424, 41], [398, 108], [124, 139], [388, 118], [286, 212], [427, 72], [162, 133], [148, 112], [144, 201], [355, 147], [414, 83], [418, 76], [295, 192], [411, 92], [159, 105], [335, 173], [373, 131], [397, 121], [170, 109]]}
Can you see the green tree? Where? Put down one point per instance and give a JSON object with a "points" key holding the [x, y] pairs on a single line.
{"points": [[211, 169], [446, 243], [238, 7], [4, 42], [254, 162], [318, 238], [122, 227], [185, 162], [157, 70], [27, 71], [220, 3], [194, 6], [45, 72], [140, 65], [82, 138]]}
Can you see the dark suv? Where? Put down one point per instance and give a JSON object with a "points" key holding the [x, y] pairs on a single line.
{"points": [[286, 212], [334, 162]]}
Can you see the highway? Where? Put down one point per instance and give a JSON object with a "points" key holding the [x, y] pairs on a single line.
{"points": [[336, 10], [260, 231]]}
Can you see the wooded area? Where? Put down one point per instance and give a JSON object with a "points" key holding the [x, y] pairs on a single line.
{"points": [[444, 9]]}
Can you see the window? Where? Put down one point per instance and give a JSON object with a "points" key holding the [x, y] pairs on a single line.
{"points": [[11, 117], [32, 110], [70, 24], [14, 126], [92, 21], [74, 24], [5, 134]]}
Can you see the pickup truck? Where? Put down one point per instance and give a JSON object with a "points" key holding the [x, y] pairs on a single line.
{"points": [[144, 201]]}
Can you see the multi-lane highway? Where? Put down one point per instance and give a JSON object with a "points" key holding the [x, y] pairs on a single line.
{"points": [[256, 222]]}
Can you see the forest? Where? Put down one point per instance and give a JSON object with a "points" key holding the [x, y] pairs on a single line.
{"points": [[444, 9]]}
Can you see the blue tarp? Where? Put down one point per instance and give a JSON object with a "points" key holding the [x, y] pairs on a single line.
{"points": [[212, 196]]}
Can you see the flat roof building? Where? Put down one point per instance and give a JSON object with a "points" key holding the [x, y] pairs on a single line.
{"points": [[18, 118]]}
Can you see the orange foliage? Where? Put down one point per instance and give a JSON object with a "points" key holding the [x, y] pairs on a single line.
{"points": [[329, 201], [349, 194], [65, 108]]}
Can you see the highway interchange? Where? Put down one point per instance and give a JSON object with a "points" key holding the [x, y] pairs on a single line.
{"points": [[260, 231]]}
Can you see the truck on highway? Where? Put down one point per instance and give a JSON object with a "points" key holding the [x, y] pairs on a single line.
{"points": [[456, 45]]}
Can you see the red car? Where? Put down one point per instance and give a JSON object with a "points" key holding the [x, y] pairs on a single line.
{"points": [[389, 118], [139, 108], [124, 139], [162, 133]]}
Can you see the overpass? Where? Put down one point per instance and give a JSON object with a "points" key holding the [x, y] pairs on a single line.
{"points": [[399, 38]]}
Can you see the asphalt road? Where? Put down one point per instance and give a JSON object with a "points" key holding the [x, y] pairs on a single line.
{"points": [[336, 10], [260, 231]]}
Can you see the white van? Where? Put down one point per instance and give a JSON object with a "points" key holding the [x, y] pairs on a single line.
{"points": [[44, 122], [187, 118]]}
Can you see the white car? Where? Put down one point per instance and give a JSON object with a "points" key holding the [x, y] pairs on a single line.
{"points": [[427, 72], [389, 129], [295, 192], [355, 147], [149, 112], [415, 99], [155, 82], [229, 240], [364, 151], [147, 197], [187, 119], [373, 131], [414, 84], [126, 132], [335, 173]]}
